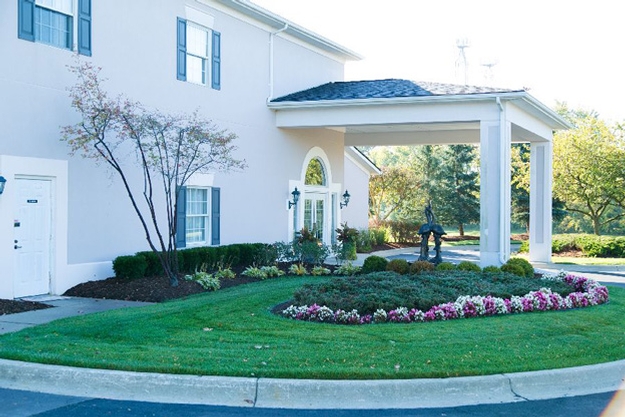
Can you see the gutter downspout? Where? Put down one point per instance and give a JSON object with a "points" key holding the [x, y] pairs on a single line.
{"points": [[272, 35], [502, 189]]}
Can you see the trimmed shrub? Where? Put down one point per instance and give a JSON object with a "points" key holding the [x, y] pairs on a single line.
{"points": [[492, 269], [400, 266], [153, 264], [445, 266], [421, 266], [468, 266], [374, 263], [130, 267], [528, 269], [513, 269]]}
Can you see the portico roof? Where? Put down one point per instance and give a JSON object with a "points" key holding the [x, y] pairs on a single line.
{"points": [[409, 112]]}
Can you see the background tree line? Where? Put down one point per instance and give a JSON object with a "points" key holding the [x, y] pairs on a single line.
{"points": [[588, 179]]}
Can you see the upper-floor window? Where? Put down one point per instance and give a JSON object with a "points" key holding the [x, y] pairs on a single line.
{"points": [[199, 54], [54, 22]]}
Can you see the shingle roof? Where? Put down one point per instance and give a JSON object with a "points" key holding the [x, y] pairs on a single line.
{"points": [[391, 88]]}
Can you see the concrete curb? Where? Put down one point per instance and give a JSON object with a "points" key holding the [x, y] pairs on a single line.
{"points": [[312, 394]]}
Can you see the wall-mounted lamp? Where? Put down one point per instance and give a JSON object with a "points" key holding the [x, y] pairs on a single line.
{"points": [[3, 182], [346, 197], [295, 195]]}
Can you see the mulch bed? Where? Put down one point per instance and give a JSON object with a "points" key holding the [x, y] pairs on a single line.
{"points": [[19, 306]]}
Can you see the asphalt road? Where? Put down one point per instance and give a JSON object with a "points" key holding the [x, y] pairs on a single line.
{"points": [[26, 404]]}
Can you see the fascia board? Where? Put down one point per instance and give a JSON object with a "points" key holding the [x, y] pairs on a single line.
{"points": [[275, 21]]}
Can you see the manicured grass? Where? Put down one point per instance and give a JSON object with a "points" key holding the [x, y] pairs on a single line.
{"points": [[574, 260], [571, 260], [232, 332]]}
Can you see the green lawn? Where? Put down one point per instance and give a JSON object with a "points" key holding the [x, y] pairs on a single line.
{"points": [[571, 260], [232, 332]]}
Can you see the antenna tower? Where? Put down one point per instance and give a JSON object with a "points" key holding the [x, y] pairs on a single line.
{"points": [[462, 66]]}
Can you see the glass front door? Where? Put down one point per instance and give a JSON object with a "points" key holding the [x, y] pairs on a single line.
{"points": [[315, 214]]}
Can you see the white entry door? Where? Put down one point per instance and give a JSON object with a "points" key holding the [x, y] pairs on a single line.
{"points": [[32, 237]]}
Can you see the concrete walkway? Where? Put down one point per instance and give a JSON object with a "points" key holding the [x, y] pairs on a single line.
{"points": [[300, 394]]}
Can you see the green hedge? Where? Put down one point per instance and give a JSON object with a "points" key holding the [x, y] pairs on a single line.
{"points": [[190, 260], [590, 245]]}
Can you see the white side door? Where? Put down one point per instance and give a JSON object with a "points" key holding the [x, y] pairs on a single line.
{"points": [[32, 236]]}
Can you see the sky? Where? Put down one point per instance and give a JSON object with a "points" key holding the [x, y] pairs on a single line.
{"points": [[564, 51]]}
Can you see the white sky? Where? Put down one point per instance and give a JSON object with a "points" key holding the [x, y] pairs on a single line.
{"points": [[571, 51]]}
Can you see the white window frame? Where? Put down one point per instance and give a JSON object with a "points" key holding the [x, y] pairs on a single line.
{"points": [[70, 10], [207, 232], [193, 54]]}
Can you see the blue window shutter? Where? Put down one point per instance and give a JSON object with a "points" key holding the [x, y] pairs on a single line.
{"points": [[84, 27], [216, 67], [181, 218], [215, 216], [182, 50], [26, 20]]}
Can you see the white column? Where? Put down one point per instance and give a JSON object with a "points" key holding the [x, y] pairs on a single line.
{"points": [[540, 201], [494, 192]]}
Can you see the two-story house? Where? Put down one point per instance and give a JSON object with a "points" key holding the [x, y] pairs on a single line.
{"points": [[274, 84]]}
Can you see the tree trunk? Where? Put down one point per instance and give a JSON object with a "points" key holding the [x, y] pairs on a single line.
{"points": [[461, 229], [596, 226]]}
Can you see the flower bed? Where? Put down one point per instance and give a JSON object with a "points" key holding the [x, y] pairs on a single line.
{"points": [[587, 293]]}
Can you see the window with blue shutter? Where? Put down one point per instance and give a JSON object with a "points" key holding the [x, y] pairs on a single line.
{"points": [[84, 27], [198, 54], [54, 23], [215, 216], [181, 218], [198, 217]]}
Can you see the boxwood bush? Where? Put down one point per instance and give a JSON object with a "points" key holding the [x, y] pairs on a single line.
{"points": [[374, 263], [399, 266], [130, 267], [190, 260]]}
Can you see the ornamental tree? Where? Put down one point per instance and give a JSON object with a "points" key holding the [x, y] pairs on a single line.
{"points": [[588, 169], [168, 148]]}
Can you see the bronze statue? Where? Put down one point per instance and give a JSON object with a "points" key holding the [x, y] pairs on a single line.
{"points": [[425, 231]]}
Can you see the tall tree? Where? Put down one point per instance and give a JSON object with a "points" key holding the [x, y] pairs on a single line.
{"points": [[455, 187], [169, 150], [588, 169], [520, 188], [392, 192]]}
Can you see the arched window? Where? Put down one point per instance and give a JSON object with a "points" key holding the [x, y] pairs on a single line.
{"points": [[315, 173]]}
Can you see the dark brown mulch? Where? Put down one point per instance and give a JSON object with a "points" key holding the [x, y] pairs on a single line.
{"points": [[19, 306], [149, 289]]}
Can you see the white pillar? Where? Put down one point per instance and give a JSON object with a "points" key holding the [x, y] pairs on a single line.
{"points": [[494, 192], [540, 201]]}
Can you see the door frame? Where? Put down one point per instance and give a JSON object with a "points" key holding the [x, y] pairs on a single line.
{"points": [[62, 276], [330, 191], [51, 236]]}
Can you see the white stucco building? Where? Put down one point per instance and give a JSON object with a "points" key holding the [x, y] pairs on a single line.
{"points": [[274, 84]]}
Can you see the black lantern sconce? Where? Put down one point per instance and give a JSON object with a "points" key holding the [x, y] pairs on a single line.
{"points": [[346, 197], [3, 182], [295, 195]]}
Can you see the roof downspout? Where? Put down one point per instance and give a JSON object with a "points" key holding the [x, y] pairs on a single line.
{"points": [[272, 35], [502, 189]]}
